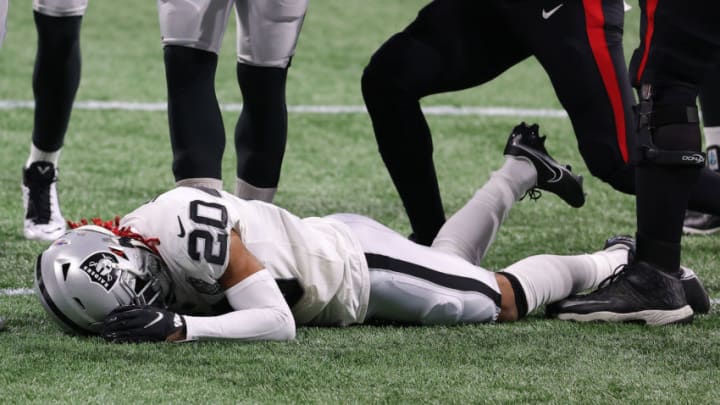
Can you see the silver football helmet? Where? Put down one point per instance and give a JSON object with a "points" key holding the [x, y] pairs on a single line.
{"points": [[90, 271]]}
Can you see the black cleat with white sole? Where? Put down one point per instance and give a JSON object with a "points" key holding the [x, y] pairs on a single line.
{"points": [[695, 292], [525, 142], [639, 292], [43, 220], [698, 223]]}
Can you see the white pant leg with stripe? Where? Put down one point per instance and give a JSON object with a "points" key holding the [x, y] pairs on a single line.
{"points": [[417, 284]]}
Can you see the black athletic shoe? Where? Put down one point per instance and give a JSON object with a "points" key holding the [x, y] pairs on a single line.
{"points": [[698, 223], [43, 220], [639, 292], [525, 141], [695, 292]]}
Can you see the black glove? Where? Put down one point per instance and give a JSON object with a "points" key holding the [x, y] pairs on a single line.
{"points": [[136, 324]]}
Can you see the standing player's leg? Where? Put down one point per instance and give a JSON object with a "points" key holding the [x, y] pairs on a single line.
{"points": [[595, 88], [55, 81], [698, 222], [451, 45], [705, 194], [267, 35], [192, 33], [669, 163]]}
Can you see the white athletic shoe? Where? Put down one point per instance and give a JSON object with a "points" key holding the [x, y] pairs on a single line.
{"points": [[43, 220]]}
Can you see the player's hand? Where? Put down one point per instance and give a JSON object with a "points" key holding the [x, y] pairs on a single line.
{"points": [[137, 324]]}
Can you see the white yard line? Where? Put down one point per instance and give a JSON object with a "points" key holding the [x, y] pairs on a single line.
{"points": [[304, 109], [9, 292]]}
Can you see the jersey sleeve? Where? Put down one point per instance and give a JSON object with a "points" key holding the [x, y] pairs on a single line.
{"points": [[260, 313]]}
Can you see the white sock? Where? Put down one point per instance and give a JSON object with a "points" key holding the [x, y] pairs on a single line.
{"points": [[247, 191], [549, 278], [39, 155], [207, 182], [712, 136], [470, 231]]}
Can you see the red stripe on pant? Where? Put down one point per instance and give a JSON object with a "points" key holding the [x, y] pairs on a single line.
{"points": [[650, 7], [595, 27]]}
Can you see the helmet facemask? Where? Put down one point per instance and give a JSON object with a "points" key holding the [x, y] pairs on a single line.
{"points": [[90, 271]]}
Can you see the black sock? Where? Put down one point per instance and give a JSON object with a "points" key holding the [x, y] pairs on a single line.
{"points": [[56, 78], [197, 134], [520, 297], [261, 130]]}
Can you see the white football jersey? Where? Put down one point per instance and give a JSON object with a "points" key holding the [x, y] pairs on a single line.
{"points": [[318, 264]]}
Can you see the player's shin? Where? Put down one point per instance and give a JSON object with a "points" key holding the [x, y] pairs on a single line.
{"points": [[470, 231], [544, 279]]}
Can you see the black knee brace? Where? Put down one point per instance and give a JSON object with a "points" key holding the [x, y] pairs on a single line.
{"points": [[650, 118]]}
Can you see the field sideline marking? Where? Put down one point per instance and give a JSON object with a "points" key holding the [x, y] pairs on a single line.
{"points": [[304, 109], [9, 292]]}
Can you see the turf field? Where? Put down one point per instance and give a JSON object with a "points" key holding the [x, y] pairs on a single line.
{"points": [[115, 159]]}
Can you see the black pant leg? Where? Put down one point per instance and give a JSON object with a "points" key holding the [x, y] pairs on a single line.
{"points": [[710, 98], [452, 45], [681, 44], [580, 48]]}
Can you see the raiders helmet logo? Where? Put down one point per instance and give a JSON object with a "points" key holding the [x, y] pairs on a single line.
{"points": [[102, 269]]}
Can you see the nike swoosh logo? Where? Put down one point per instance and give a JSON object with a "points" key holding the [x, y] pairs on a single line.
{"points": [[548, 14], [43, 169], [156, 320], [182, 228], [557, 173], [576, 303]]}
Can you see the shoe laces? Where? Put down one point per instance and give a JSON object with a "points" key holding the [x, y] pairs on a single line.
{"points": [[534, 194], [616, 274], [39, 204]]}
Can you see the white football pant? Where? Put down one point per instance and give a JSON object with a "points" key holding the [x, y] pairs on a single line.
{"points": [[60, 8], [267, 31]]}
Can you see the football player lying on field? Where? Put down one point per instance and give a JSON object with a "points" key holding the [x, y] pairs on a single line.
{"points": [[196, 264]]}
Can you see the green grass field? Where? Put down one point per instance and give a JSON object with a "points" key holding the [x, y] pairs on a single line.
{"points": [[115, 160]]}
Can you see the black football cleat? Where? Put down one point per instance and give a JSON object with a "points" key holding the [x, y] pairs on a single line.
{"points": [[639, 292], [525, 141], [695, 292], [43, 220], [698, 223]]}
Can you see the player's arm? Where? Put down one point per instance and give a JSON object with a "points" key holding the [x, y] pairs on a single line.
{"points": [[260, 311]]}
